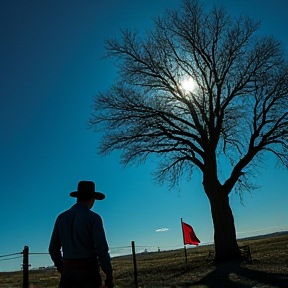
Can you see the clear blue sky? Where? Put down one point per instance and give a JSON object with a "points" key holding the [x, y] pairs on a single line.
{"points": [[50, 69]]}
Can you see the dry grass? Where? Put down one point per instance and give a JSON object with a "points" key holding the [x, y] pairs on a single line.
{"points": [[268, 268]]}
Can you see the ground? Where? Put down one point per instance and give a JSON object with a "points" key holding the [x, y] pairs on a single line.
{"points": [[268, 268]]}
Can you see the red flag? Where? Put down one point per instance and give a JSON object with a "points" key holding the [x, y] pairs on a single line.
{"points": [[189, 235]]}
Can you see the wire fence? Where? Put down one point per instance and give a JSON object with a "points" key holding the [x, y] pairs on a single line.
{"points": [[42, 259], [11, 261], [39, 265], [8, 256]]}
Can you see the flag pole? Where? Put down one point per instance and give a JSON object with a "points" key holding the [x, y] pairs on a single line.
{"points": [[185, 251]]}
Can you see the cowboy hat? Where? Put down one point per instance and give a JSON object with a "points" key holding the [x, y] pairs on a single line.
{"points": [[87, 188]]}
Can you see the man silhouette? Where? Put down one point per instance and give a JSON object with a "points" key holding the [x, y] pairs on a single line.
{"points": [[80, 233]]}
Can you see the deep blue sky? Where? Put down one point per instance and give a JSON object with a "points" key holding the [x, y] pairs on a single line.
{"points": [[50, 69]]}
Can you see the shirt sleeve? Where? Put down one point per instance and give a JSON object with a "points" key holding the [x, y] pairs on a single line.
{"points": [[55, 248], [100, 244]]}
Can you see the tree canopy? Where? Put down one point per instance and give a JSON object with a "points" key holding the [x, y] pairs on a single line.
{"points": [[238, 106]]}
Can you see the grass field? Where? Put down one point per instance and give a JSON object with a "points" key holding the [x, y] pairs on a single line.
{"points": [[268, 268]]}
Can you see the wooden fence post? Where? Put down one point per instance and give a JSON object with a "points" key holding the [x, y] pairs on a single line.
{"points": [[134, 263], [25, 267]]}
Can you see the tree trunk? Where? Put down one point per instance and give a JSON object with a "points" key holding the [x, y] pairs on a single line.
{"points": [[226, 247]]}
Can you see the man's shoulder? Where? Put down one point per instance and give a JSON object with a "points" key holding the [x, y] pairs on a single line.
{"points": [[74, 209], [64, 213]]}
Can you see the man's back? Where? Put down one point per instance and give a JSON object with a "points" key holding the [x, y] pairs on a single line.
{"points": [[75, 227], [79, 231]]}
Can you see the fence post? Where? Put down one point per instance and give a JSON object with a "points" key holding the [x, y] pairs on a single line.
{"points": [[25, 267], [134, 263]]}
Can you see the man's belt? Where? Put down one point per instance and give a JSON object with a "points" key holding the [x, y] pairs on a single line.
{"points": [[81, 264]]}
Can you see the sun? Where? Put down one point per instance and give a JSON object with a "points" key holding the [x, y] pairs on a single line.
{"points": [[188, 84]]}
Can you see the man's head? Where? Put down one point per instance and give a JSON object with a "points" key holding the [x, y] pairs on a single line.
{"points": [[89, 202]]}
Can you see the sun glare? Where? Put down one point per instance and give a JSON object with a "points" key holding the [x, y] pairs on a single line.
{"points": [[188, 84]]}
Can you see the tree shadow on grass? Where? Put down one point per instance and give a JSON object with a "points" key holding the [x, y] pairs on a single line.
{"points": [[243, 277]]}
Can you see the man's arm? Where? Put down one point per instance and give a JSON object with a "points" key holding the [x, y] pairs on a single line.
{"points": [[101, 249], [55, 249]]}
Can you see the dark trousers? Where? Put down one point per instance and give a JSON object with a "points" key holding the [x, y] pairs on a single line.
{"points": [[80, 273], [80, 279]]}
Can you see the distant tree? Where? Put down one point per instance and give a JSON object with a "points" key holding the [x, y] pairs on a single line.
{"points": [[237, 109]]}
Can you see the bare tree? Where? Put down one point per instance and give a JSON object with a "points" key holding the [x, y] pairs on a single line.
{"points": [[236, 109]]}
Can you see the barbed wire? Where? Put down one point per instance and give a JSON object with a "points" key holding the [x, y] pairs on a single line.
{"points": [[10, 254], [120, 247], [110, 248], [11, 258], [115, 251]]}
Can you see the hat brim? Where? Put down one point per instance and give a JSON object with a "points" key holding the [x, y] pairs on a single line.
{"points": [[95, 195]]}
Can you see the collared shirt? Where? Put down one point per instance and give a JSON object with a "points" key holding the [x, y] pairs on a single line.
{"points": [[80, 233]]}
